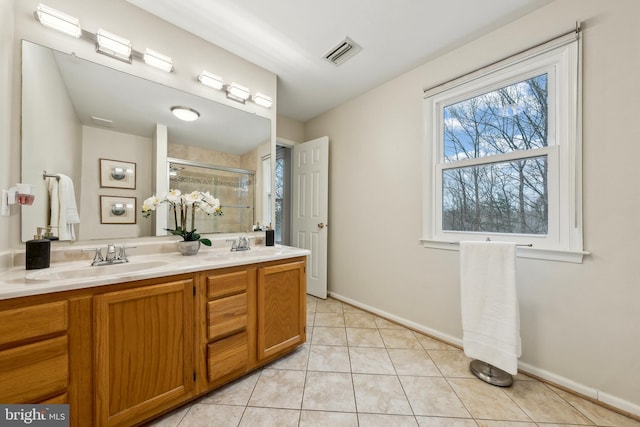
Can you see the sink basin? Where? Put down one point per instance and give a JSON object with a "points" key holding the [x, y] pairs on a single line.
{"points": [[255, 252], [62, 273]]}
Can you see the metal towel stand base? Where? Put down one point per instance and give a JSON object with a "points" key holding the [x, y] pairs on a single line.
{"points": [[490, 374]]}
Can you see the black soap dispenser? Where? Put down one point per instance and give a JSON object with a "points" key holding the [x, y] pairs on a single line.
{"points": [[38, 252]]}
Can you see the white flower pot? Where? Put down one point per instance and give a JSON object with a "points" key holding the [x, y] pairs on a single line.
{"points": [[189, 248]]}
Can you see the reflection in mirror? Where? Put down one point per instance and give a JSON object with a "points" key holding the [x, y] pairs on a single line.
{"points": [[75, 112], [235, 186]]}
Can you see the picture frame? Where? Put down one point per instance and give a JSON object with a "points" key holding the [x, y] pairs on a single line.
{"points": [[117, 210], [117, 174]]}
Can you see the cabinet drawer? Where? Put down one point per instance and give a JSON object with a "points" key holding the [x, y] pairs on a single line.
{"points": [[31, 372], [227, 284], [25, 323], [227, 316], [228, 356]]}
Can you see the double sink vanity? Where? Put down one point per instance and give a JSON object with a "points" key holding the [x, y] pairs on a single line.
{"points": [[127, 342]]}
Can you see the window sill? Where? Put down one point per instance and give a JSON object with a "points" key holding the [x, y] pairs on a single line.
{"points": [[574, 257]]}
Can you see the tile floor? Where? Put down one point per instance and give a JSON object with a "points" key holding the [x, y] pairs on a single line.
{"points": [[357, 369]]}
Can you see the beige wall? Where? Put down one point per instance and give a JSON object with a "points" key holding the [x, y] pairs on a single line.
{"points": [[290, 129], [580, 323], [190, 55]]}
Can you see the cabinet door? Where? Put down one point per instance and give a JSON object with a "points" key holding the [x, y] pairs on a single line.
{"points": [[281, 308], [144, 351]]}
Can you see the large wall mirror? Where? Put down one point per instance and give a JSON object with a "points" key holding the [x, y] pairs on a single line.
{"points": [[95, 125]]}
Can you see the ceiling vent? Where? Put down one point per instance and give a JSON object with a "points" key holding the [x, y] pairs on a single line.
{"points": [[99, 121], [343, 51]]}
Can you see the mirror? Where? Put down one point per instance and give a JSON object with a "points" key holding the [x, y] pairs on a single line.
{"points": [[78, 115]]}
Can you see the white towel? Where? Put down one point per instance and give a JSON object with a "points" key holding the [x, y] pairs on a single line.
{"points": [[64, 211], [490, 315]]}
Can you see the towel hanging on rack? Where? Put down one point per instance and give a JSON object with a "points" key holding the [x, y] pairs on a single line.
{"points": [[64, 211], [490, 315]]}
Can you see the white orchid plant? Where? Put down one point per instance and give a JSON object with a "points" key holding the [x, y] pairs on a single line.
{"points": [[183, 207]]}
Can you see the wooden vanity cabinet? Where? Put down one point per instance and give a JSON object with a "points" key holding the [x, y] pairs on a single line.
{"points": [[282, 313], [122, 354], [228, 333], [144, 345], [34, 352]]}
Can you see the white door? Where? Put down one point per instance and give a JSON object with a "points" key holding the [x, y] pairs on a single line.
{"points": [[310, 198]]}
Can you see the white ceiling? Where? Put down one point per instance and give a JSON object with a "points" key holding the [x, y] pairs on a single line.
{"points": [[290, 38]]}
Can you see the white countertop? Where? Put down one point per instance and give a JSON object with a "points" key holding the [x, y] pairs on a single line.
{"points": [[65, 276]]}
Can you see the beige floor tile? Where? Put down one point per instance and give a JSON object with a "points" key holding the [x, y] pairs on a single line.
{"points": [[485, 401], [429, 343], [329, 319], [206, 415], [235, 393], [385, 324], [399, 338], [599, 415], [492, 423], [365, 360], [296, 360], [172, 419], [346, 308], [328, 419], [278, 389], [311, 319], [379, 420], [329, 359], [543, 405], [380, 394], [445, 422], [270, 417], [451, 363], [362, 337], [329, 306], [323, 335], [359, 320], [433, 396], [329, 391], [413, 362]]}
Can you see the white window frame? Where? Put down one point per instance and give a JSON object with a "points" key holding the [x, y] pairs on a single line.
{"points": [[560, 60]]}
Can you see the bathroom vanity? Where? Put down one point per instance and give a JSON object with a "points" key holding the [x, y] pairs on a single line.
{"points": [[122, 350]]}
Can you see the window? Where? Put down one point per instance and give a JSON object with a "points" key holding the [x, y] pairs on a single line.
{"points": [[503, 155]]}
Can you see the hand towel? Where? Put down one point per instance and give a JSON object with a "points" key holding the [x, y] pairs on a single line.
{"points": [[64, 211], [490, 315]]}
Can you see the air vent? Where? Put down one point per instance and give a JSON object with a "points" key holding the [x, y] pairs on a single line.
{"points": [[343, 51], [99, 121]]}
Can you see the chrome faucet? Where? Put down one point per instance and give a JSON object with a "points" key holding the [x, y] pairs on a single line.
{"points": [[242, 243], [113, 256]]}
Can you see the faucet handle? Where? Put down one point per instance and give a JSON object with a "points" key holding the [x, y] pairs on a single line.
{"points": [[122, 254], [97, 257]]}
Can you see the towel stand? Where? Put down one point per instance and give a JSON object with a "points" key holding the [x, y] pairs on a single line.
{"points": [[490, 374]]}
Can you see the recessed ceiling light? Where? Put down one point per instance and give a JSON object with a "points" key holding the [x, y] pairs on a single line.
{"points": [[185, 113]]}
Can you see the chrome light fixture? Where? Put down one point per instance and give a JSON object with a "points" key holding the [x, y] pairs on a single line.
{"points": [[60, 21], [211, 80], [238, 93], [158, 60], [263, 100], [112, 45], [185, 113]]}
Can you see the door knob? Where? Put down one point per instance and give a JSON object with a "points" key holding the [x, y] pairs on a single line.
{"points": [[321, 225]]}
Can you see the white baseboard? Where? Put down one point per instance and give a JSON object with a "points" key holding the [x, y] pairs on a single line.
{"points": [[590, 392]]}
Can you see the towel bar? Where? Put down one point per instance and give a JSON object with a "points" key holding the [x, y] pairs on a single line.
{"points": [[490, 374]]}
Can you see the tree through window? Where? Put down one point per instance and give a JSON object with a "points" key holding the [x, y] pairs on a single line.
{"points": [[497, 196]]}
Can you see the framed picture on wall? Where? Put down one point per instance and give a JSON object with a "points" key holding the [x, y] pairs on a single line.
{"points": [[117, 174], [117, 210]]}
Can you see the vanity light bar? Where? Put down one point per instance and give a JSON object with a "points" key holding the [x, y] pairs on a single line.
{"points": [[263, 100], [60, 21], [238, 92], [113, 45], [211, 80], [158, 60]]}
